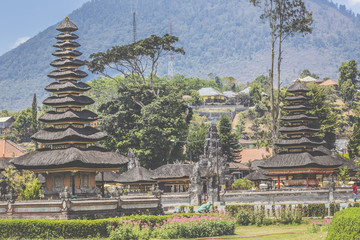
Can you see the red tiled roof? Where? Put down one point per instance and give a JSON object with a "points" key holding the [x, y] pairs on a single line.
{"points": [[329, 82], [248, 155], [9, 149], [238, 166]]}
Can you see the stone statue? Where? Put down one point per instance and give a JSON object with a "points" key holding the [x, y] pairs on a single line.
{"points": [[65, 194], [133, 160], [195, 188]]}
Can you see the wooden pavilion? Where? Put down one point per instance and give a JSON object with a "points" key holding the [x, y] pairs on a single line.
{"points": [[299, 161], [67, 154]]}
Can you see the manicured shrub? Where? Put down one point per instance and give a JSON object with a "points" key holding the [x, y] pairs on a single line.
{"points": [[314, 210], [234, 209], [345, 225], [334, 207]]}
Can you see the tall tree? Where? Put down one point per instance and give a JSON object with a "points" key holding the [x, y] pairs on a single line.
{"points": [[228, 140], [132, 60], [285, 18], [34, 120], [354, 142], [322, 108], [348, 78], [196, 137]]}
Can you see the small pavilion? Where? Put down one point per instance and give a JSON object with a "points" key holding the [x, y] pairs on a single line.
{"points": [[68, 156], [300, 162]]}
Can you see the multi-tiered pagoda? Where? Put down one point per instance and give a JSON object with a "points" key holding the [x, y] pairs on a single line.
{"points": [[300, 160], [68, 156]]}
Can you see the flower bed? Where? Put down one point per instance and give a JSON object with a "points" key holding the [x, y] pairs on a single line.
{"points": [[177, 226]]}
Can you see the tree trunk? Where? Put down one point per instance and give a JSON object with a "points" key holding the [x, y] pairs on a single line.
{"points": [[273, 121]]}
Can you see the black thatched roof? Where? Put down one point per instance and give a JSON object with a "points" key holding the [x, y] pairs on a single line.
{"points": [[50, 135], [92, 157], [298, 87], [298, 97], [349, 164], [66, 36], [304, 159], [299, 117], [67, 73], [67, 44], [69, 115], [136, 174], [67, 26], [68, 86], [301, 128], [67, 63], [69, 99], [300, 141], [4, 164], [109, 177], [258, 175], [66, 52], [297, 107], [175, 171]]}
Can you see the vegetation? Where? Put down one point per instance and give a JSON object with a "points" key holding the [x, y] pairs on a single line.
{"points": [[345, 225], [23, 183], [228, 139], [243, 183]]}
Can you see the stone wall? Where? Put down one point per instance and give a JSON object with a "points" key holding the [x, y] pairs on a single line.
{"points": [[74, 209]]}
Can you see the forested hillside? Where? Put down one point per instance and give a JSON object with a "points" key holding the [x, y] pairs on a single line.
{"points": [[225, 38]]}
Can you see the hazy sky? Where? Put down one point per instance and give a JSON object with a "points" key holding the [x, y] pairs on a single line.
{"points": [[23, 19]]}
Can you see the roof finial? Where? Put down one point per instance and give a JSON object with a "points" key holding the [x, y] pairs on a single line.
{"points": [[67, 18]]}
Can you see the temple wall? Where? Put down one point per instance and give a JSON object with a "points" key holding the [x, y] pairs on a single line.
{"points": [[74, 209]]}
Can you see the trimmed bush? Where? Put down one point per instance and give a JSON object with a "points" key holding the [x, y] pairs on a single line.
{"points": [[41, 228], [234, 209], [345, 225], [315, 210], [334, 207]]}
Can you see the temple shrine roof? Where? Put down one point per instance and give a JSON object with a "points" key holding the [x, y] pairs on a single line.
{"points": [[53, 116]]}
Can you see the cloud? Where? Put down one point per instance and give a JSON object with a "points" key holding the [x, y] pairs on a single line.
{"points": [[20, 41], [354, 2]]}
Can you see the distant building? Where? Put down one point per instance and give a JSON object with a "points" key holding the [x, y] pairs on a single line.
{"points": [[211, 95], [246, 143], [230, 94], [5, 123], [9, 149], [246, 156], [330, 82], [341, 145], [308, 79]]}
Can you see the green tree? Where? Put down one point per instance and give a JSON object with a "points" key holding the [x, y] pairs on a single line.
{"points": [[196, 137], [323, 109], [255, 92], [348, 70], [243, 183], [24, 183], [21, 128], [285, 18], [354, 141], [307, 73], [228, 140], [34, 120]]}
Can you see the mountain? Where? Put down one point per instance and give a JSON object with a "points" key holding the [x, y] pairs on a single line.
{"points": [[224, 37]]}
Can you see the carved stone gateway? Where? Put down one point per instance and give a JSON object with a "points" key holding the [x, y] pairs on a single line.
{"points": [[195, 188]]}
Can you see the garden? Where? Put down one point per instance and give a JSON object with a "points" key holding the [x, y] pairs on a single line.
{"points": [[237, 221]]}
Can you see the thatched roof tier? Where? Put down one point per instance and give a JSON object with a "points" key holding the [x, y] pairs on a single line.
{"points": [[297, 98], [53, 135], [258, 175], [67, 26], [66, 36], [298, 87], [173, 171], [297, 107], [70, 100], [299, 117], [136, 174], [301, 128], [109, 177], [300, 160], [300, 141], [69, 62], [70, 115], [71, 158], [66, 44], [4, 164], [67, 73], [66, 53], [67, 86]]}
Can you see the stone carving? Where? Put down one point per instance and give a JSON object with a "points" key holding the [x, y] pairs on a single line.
{"points": [[195, 188], [133, 160], [65, 194]]}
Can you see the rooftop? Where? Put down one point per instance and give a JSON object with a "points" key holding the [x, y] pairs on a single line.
{"points": [[248, 155], [209, 91]]}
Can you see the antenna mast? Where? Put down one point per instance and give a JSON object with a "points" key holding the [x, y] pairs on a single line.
{"points": [[171, 57], [134, 27]]}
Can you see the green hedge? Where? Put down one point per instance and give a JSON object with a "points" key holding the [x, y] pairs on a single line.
{"points": [[345, 225], [41, 228], [233, 209]]}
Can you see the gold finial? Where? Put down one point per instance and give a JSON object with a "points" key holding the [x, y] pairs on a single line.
{"points": [[67, 18]]}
